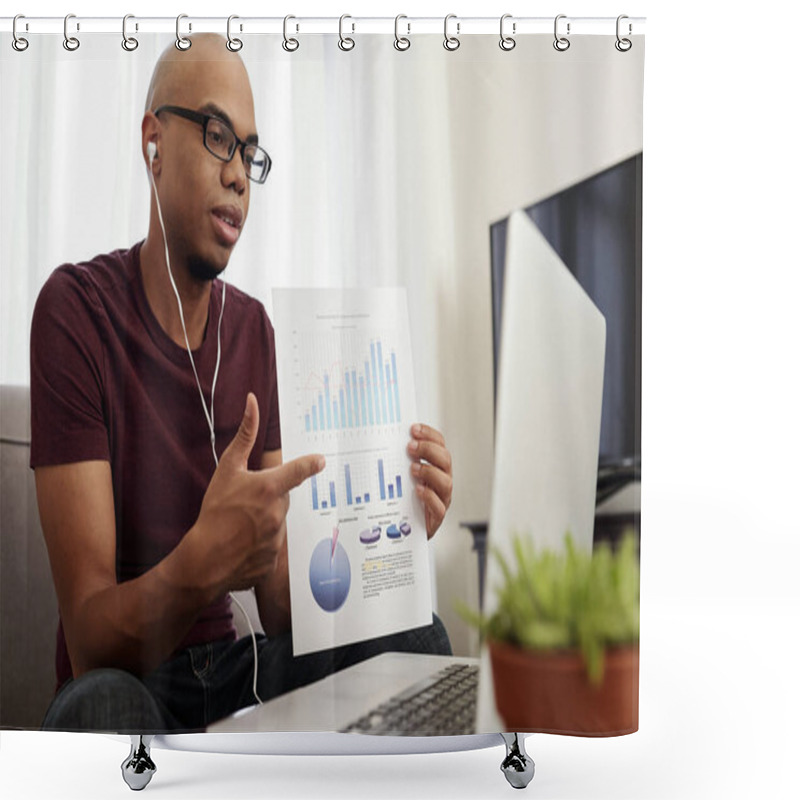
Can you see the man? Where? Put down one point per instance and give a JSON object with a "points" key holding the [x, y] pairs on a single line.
{"points": [[146, 534]]}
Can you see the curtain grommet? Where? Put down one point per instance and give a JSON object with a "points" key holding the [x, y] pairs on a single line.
{"points": [[507, 42], [19, 43], [623, 44], [181, 42], [561, 43], [401, 43], [346, 43], [70, 43], [451, 43], [129, 43], [289, 44], [233, 44]]}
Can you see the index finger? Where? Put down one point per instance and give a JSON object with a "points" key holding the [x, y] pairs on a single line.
{"points": [[291, 474]]}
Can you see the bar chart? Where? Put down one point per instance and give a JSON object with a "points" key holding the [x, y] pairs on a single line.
{"points": [[355, 483], [348, 382]]}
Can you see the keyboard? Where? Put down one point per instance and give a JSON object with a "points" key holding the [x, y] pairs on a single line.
{"points": [[444, 704]]}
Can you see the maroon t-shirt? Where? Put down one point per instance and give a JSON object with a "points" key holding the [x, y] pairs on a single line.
{"points": [[108, 383]]}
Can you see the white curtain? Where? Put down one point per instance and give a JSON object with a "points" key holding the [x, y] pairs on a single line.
{"points": [[389, 168]]}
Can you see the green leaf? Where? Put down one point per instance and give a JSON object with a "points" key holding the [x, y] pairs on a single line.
{"points": [[550, 600]]}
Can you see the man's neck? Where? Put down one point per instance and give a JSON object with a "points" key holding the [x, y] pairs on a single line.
{"points": [[195, 294]]}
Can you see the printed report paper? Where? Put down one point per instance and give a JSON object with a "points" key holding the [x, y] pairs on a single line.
{"points": [[358, 548]]}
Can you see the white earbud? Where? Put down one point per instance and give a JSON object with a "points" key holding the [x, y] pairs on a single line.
{"points": [[151, 151]]}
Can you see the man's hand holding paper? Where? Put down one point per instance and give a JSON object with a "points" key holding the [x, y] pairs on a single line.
{"points": [[433, 472]]}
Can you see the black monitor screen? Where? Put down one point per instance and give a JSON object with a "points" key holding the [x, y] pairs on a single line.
{"points": [[595, 226]]}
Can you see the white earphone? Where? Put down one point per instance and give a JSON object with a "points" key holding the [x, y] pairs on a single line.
{"points": [[151, 152]]}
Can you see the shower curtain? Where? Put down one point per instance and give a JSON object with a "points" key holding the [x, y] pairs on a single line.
{"points": [[480, 203]]}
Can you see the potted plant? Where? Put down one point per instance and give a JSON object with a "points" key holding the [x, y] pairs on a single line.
{"points": [[563, 639]]}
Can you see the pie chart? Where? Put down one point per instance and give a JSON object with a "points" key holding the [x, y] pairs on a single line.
{"points": [[329, 574]]}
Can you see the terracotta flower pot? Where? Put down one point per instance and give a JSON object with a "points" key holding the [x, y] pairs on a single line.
{"points": [[549, 691]]}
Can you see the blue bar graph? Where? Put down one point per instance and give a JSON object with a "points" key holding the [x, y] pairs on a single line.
{"points": [[383, 385], [356, 415], [369, 393], [365, 477], [396, 389], [375, 384], [390, 395], [349, 401], [363, 404], [328, 400], [352, 397]]}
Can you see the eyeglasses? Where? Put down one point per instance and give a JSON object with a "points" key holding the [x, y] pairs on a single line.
{"points": [[223, 143]]}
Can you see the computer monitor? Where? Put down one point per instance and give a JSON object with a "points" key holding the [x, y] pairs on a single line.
{"points": [[595, 226]]}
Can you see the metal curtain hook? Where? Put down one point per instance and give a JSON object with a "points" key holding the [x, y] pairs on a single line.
{"points": [[19, 43], [70, 42], [234, 45], [401, 42], [289, 45], [623, 45], [129, 43], [451, 42], [181, 42], [345, 43], [561, 43], [507, 42]]}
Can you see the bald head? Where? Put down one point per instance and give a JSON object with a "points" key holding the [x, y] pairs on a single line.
{"points": [[180, 74], [203, 196]]}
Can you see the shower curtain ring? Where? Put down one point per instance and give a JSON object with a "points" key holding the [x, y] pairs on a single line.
{"points": [[401, 42], [346, 43], [451, 42], [507, 42], [234, 45], [129, 43], [289, 44], [19, 43], [181, 42], [70, 42], [623, 44], [561, 43]]}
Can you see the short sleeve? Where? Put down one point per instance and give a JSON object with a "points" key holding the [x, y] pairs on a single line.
{"points": [[67, 369], [273, 434]]}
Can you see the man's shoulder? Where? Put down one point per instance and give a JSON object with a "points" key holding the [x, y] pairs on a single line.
{"points": [[89, 286], [99, 274]]}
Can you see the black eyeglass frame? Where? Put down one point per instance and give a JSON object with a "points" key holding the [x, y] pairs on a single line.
{"points": [[203, 119]]}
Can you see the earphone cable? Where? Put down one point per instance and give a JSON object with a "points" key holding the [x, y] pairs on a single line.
{"points": [[209, 417]]}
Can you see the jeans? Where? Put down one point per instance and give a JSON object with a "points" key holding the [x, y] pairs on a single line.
{"points": [[210, 681]]}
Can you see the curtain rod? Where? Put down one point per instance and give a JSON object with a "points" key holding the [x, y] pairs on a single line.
{"points": [[460, 26]]}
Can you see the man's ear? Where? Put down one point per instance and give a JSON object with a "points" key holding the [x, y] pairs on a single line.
{"points": [[150, 138]]}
